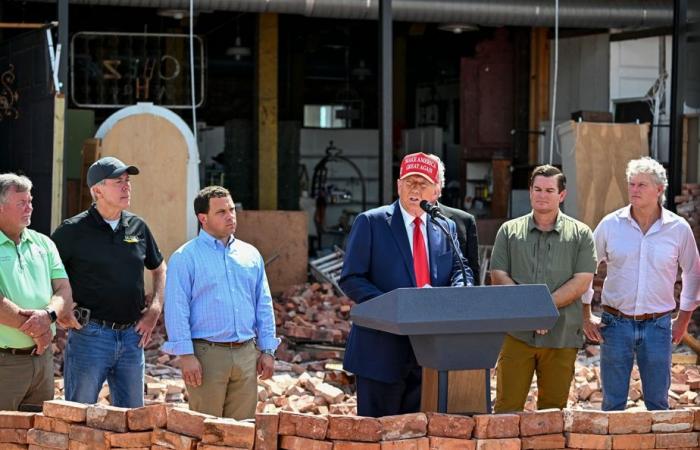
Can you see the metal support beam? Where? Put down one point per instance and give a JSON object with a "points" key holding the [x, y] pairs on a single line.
{"points": [[60, 161], [386, 61], [267, 121], [678, 69]]}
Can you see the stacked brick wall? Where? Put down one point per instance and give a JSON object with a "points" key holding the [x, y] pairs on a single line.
{"points": [[72, 426]]}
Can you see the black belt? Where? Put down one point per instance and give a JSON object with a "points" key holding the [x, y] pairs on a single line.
{"points": [[18, 351], [113, 325], [223, 344]]}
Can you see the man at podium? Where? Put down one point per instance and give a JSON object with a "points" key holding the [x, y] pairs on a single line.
{"points": [[391, 247], [543, 247]]}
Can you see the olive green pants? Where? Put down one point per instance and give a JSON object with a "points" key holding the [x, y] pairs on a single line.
{"points": [[518, 361], [229, 381], [25, 380]]}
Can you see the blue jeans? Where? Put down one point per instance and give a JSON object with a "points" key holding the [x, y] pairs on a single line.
{"points": [[650, 342], [95, 354]]}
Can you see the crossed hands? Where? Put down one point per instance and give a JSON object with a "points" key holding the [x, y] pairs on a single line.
{"points": [[38, 326]]}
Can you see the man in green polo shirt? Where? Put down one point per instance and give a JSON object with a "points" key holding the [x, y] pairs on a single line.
{"points": [[543, 247], [34, 293]]}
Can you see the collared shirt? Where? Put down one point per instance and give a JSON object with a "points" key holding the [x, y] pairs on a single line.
{"points": [[532, 256], [409, 222], [642, 268], [105, 266], [218, 293], [26, 272]]}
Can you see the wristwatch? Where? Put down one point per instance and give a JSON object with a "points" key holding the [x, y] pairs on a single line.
{"points": [[269, 352], [52, 314]]}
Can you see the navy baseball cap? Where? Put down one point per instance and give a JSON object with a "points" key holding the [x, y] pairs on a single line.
{"points": [[108, 167]]}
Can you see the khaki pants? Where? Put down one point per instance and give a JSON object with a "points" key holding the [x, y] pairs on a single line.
{"points": [[25, 380], [229, 381], [518, 361]]}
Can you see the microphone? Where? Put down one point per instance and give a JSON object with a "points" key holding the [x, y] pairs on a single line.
{"points": [[432, 210]]}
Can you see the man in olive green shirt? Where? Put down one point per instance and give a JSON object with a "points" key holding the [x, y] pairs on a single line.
{"points": [[543, 247], [34, 293]]}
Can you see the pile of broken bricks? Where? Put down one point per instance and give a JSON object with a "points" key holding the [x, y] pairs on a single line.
{"points": [[73, 426]]}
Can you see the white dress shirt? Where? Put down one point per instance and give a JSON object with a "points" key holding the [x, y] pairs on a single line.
{"points": [[642, 268], [408, 222]]}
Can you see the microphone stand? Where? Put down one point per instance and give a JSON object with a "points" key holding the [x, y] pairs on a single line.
{"points": [[435, 213]]}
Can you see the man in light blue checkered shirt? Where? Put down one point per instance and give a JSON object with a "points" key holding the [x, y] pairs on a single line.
{"points": [[218, 309]]}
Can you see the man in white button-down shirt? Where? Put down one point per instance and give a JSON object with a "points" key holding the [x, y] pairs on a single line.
{"points": [[643, 244]]}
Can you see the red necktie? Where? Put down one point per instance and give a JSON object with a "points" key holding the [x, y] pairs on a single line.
{"points": [[420, 258]]}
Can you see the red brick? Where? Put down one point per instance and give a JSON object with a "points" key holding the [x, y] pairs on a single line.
{"points": [[354, 428], [16, 419], [450, 426], [629, 422], [229, 432], [547, 421], [585, 422], [498, 444], [588, 441], [349, 445], [137, 439], [201, 446], [87, 435], [51, 424], [544, 441], [303, 425], [675, 421], [498, 426], [13, 446], [75, 445], [446, 443], [110, 418], [36, 447], [405, 426], [301, 443], [147, 418], [167, 439], [47, 439], [676, 440], [189, 423], [13, 435], [421, 443], [633, 441], [266, 426], [65, 410]]}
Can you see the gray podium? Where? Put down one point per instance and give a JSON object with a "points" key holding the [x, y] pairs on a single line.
{"points": [[456, 328]]}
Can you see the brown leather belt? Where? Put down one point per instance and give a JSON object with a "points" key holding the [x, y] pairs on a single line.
{"points": [[18, 351], [223, 344], [638, 317]]}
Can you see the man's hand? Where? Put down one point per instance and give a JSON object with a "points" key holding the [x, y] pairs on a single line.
{"points": [[266, 366], [591, 328], [191, 370], [42, 342], [542, 332], [38, 322], [67, 320], [680, 326], [148, 321]]}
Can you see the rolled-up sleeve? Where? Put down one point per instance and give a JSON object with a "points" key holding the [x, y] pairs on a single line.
{"points": [[690, 265], [178, 295], [264, 312]]}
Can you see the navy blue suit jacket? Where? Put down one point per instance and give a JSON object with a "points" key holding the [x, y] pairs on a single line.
{"points": [[378, 259]]}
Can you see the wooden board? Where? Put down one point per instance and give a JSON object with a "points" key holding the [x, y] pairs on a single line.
{"points": [[159, 192], [594, 160], [466, 391], [282, 235]]}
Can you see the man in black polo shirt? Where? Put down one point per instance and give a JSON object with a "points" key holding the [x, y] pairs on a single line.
{"points": [[105, 250]]}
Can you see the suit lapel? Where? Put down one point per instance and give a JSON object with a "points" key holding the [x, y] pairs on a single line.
{"points": [[398, 232], [434, 240]]}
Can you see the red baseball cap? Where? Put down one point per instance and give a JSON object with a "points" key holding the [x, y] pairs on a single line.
{"points": [[419, 164]]}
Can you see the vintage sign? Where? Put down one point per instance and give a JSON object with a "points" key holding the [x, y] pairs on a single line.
{"points": [[113, 70]]}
